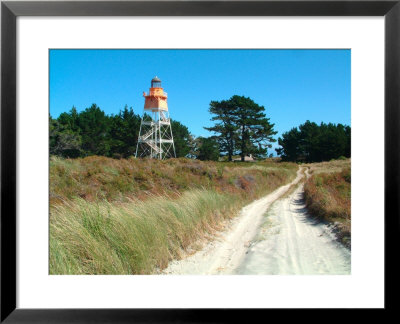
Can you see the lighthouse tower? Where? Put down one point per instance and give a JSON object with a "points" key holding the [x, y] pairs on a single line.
{"points": [[155, 134]]}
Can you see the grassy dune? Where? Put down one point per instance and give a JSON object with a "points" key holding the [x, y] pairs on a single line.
{"points": [[328, 196], [134, 216]]}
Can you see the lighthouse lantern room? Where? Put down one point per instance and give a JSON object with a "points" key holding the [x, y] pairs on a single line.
{"points": [[155, 134]]}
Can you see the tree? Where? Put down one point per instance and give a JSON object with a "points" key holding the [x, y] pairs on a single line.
{"points": [[225, 126], [63, 141], [95, 126], [255, 130], [124, 132], [241, 127], [309, 145], [315, 143], [208, 149], [290, 149], [182, 139], [92, 132], [70, 120], [347, 131]]}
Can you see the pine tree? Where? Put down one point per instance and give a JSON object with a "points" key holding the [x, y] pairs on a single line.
{"points": [[241, 127], [208, 149], [255, 130], [182, 138], [225, 127], [315, 143]]}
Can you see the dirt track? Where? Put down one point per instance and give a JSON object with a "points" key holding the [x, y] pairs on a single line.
{"points": [[289, 242], [282, 241]]}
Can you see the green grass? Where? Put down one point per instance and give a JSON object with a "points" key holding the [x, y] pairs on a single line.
{"points": [[134, 216]]}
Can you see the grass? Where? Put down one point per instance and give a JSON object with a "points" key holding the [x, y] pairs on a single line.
{"points": [[329, 166], [134, 216], [99, 178], [328, 197], [132, 238]]}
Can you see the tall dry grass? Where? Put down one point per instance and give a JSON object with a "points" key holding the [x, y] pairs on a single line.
{"points": [[134, 216], [328, 197], [98, 178], [132, 238]]}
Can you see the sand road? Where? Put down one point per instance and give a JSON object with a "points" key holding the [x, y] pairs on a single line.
{"points": [[281, 241], [289, 242]]}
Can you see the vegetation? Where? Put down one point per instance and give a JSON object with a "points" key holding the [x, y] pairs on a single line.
{"points": [[113, 214], [92, 132], [132, 238], [132, 216], [208, 149], [328, 196], [241, 127], [312, 143]]}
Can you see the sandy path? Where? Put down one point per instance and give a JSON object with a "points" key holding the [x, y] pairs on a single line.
{"points": [[289, 242], [226, 253]]}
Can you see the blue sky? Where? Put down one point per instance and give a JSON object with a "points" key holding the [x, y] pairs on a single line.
{"points": [[292, 85]]}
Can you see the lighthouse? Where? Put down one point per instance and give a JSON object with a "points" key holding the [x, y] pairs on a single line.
{"points": [[155, 134]]}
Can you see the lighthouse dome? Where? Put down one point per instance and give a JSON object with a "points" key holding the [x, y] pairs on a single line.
{"points": [[156, 82]]}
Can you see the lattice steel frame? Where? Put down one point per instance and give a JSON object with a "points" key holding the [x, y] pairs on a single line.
{"points": [[155, 136]]}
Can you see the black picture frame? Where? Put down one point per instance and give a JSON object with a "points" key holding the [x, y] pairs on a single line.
{"points": [[10, 10]]}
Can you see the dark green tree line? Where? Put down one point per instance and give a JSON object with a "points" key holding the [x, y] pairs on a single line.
{"points": [[92, 132], [315, 143]]}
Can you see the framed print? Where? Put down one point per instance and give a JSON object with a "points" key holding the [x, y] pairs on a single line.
{"points": [[103, 175]]}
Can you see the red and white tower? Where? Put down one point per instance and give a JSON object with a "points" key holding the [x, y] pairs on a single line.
{"points": [[155, 134]]}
